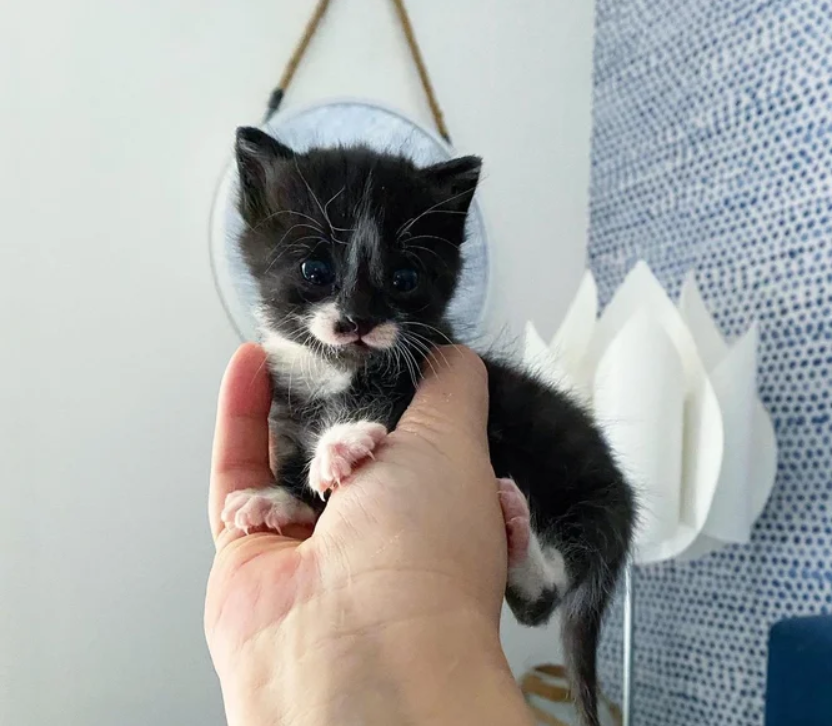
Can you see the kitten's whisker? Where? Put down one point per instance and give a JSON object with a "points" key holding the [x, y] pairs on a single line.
{"points": [[425, 350], [408, 253], [407, 225], [410, 362], [408, 241], [259, 368], [412, 369], [434, 329], [295, 226], [301, 224], [286, 211], [429, 346], [309, 189], [398, 360], [333, 198], [321, 350], [281, 252], [432, 343], [395, 362], [321, 207], [427, 338]]}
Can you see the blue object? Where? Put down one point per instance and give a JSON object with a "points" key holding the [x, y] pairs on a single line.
{"points": [[799, 689], [712, 151]]}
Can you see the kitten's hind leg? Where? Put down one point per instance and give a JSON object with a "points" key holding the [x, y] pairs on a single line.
{"points": [[518, 521], [536, 573], [272, 507]]}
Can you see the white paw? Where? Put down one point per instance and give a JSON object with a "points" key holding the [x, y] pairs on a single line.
{"points": [[339, 452], [533, 568], [273, 507]]}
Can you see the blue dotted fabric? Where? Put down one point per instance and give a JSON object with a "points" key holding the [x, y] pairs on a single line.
{"points": [[712, 150]]}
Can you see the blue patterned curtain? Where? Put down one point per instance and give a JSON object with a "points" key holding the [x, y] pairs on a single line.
{"points": [[711, 150]]}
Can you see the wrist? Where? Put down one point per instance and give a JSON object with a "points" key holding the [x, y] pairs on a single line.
{"points": [[441, 669]]}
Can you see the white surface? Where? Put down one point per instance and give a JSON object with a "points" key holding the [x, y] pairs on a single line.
{"points": [[642, 390], [749, 466], [116, 122]]}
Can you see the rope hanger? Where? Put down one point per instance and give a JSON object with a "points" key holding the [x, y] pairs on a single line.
{"points": [[410, 36]]}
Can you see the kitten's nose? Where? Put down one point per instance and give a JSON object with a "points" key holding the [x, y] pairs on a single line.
{"points": [[360, 326]]}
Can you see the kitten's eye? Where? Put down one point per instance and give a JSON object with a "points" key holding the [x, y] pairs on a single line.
{"points": [[405, 279], [318, 272]]}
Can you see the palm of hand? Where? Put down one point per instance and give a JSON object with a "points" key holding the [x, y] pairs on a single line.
{"points": [[399, 538]]}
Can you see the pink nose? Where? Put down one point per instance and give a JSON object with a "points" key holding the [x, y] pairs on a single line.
{"points": [[359, 326]]}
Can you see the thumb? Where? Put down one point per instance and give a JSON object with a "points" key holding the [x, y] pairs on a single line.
{"points": [[452, 399]]}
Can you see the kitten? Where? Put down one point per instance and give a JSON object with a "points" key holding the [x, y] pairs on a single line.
{"points": [[357, 255]]}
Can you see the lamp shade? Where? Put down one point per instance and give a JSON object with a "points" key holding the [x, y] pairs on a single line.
{"points": [[678, 405]]}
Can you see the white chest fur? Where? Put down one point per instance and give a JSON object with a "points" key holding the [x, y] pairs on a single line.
{"points": [[302, 371]]}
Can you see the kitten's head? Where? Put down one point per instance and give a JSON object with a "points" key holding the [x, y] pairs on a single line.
{"points": [[355, 252]]}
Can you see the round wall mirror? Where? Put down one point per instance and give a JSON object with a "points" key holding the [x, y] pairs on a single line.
{"points": [[327, 124]]}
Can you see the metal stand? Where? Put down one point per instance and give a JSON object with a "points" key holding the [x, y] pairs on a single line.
{"points": [[627, 664]]}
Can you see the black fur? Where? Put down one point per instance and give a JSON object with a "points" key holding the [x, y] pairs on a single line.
{"points": [[301, 206]]}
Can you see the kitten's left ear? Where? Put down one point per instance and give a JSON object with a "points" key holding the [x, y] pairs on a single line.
{"points": [[258, 161], [456, 180]]}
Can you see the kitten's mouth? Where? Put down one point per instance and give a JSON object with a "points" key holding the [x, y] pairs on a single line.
{"points": [[360, 346], [352, 344], [381, 337], [349, 335]]}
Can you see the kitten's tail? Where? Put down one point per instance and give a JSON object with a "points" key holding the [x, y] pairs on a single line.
{"points": [[582, 614]]}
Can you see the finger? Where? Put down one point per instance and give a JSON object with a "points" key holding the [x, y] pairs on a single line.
{"points": [[452, 399], [240, 456]]}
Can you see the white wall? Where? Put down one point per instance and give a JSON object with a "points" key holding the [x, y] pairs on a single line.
{"points": [[115, 122]]}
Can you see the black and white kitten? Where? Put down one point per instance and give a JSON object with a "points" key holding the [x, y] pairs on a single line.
{"points": [[357, 255]]}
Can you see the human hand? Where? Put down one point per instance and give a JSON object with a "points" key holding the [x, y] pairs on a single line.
{"points": [[390, 609]]}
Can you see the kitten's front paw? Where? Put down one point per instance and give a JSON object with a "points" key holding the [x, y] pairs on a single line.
{"points": [[273, 507], [340, 450], [518, 520]]}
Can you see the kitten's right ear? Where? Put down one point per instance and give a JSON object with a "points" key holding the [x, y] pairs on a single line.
{"points": [[258, 161], [456, 180]]}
